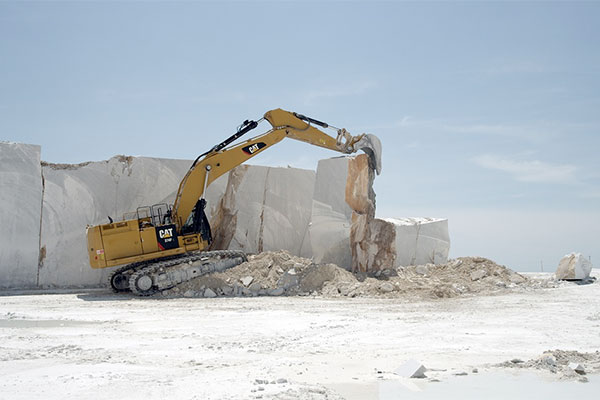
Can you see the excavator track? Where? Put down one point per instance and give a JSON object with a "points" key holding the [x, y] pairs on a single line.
{"points": [[146, 279], [119, 279]]}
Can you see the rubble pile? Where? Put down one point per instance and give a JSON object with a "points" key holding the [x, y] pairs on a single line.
{"points": [[279, 273], [568, 364]]}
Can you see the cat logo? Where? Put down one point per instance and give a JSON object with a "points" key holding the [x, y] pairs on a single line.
{"points": [[253, 148], [166, 237], [165, 233]]}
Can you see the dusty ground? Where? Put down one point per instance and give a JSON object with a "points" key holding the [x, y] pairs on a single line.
{"points": [[108, 346]]}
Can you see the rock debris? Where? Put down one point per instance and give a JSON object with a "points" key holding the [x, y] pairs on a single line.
{"points": [[277, 273]]}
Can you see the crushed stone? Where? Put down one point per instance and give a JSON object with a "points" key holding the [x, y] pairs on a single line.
{"points": [[558, 361], [276, 273]]}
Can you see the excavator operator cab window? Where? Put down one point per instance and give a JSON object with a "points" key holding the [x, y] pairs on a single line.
{"points": [[156, 215], [161, 214]]}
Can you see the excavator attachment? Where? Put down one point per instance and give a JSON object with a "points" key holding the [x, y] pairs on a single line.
{"points": [[371, 145]]}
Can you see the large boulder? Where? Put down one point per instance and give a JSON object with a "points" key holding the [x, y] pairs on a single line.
{"points": [[573, 267]]}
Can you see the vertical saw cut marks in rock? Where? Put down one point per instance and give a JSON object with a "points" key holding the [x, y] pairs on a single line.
{"points": [[224, 220], [327, 238], [20, 213], [264, 208]]}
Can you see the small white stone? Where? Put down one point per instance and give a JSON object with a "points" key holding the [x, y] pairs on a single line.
{"points": [[421, 269], [577, 367], [255, 287], [209, 293], [227, 290], [386, 287], [276, 292], [247, 280], [477, 275], [549, 360], [411, 369]]}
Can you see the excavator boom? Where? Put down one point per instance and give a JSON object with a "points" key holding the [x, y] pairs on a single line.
{"points": [[284, 124]]}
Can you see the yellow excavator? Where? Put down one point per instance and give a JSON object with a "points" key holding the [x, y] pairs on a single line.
{"points": [[162, 246]]}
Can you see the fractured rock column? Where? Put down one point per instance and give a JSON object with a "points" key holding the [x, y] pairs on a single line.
{"points": [[361, 199], [372, 240]]}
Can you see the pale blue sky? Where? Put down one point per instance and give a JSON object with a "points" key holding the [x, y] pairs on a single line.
{"points": [[488, 112]]}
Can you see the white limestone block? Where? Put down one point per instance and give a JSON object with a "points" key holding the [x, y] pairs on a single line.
{"points": [[574, 266], [420, 240], [287, 208], [327, 238], [264, 209], [577, 368], [330, 185], [411, 369], [20, 214]]}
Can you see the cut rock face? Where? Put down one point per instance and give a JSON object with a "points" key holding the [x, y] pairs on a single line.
{"points": [[574, 267], [327, 238], [264, 208], [20, 213], [327, 216], [76, 196]]}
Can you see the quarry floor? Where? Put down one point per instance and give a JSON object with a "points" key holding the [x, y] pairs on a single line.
{"points": [[105, 346]]}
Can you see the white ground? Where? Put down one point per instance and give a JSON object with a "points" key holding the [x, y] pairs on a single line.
{"points": [[104, 346]]}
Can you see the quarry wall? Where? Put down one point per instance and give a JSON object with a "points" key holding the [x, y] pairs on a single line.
{"points": [[326, 215]]}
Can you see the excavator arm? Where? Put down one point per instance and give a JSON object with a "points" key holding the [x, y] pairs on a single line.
{"points": [[221, 159]]}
